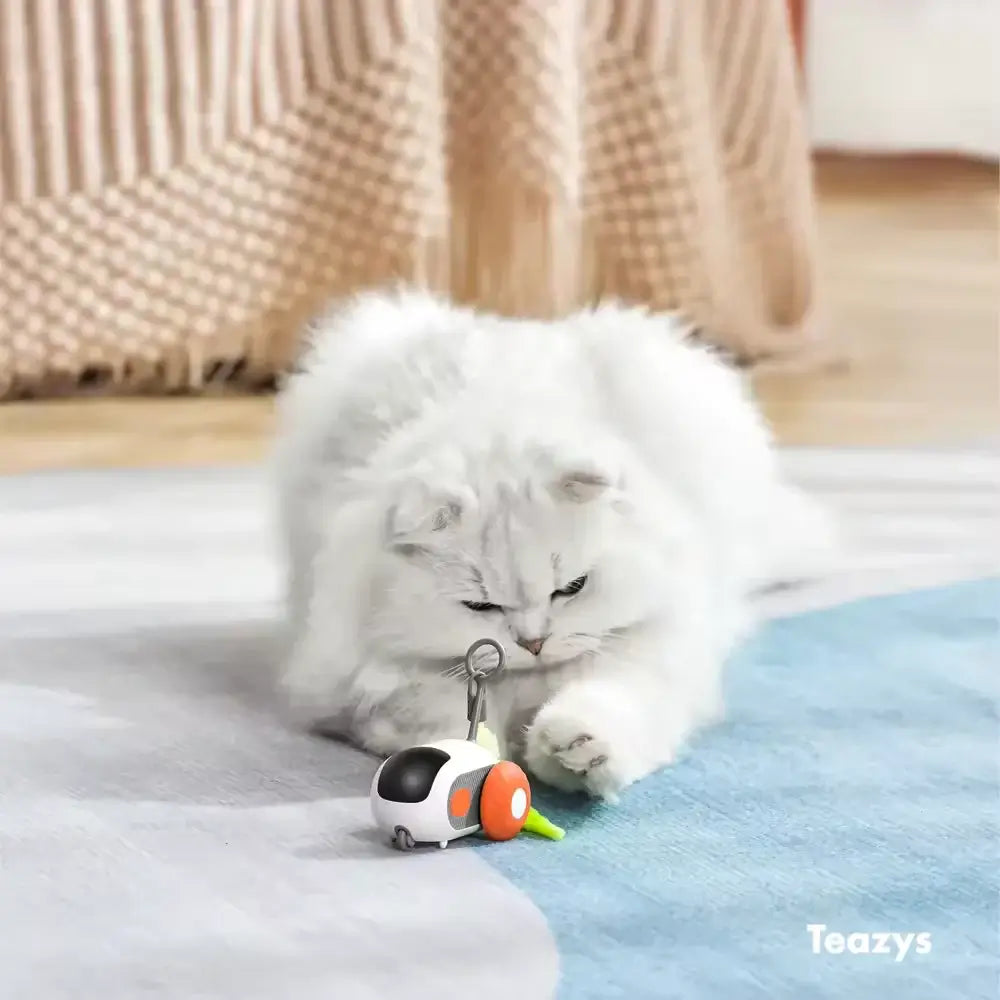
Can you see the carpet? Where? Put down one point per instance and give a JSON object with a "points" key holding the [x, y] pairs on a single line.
{"points": [[162, 835]]}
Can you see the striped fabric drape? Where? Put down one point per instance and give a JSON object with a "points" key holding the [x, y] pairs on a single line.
{"points": [[100, 92], [182, 181]]}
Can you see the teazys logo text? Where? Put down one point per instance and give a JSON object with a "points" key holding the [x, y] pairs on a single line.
{"points": [[891, 943]]}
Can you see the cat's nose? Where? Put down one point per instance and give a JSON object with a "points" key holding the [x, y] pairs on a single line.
{"points": [[533, 646]]}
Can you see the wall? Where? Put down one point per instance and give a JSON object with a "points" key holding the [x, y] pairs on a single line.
{"points": [[904, 75]]}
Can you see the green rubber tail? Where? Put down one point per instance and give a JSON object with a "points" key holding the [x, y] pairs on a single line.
{"points": [[536, 823]]}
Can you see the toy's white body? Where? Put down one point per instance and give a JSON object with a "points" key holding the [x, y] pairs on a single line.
{"points": [[430, 793]]}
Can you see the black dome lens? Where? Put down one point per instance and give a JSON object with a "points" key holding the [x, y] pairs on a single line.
{"points": [[408, 775]]}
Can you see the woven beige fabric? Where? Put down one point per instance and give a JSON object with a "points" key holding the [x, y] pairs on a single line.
{"points": [[182, 182]]}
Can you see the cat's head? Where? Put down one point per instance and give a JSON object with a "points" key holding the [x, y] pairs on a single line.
{"points": [[543, 550]]}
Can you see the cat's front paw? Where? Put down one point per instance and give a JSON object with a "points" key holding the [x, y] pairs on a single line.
{"points": [[570, 753]]}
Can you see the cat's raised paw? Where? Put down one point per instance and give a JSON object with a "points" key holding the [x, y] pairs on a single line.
{"points": [[566, 754]]}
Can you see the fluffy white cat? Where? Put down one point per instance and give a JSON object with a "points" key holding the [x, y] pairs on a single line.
{"points": [[598, 494]]}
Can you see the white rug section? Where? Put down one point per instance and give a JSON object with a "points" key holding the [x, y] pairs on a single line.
{"points": [[92, 541], [909, 519], [162, 834]]}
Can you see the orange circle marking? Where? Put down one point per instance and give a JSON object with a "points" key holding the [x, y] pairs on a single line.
{"points": [[498, 802], [458, 804]]}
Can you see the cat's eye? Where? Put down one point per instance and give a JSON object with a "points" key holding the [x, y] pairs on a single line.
{"points": [[481, 606], [571, 588]]}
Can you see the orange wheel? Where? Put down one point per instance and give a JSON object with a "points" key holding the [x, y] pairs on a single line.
{"points": [[505, 801]]}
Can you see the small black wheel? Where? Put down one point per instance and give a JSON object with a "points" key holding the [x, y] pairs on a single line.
{"points": [[403, 839]]}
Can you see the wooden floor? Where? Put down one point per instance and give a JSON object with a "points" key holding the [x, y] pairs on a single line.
{"points": [[911, 273]]}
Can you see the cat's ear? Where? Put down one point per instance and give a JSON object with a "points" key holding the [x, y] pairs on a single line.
{"points": [[583, 482], [419, 515]]}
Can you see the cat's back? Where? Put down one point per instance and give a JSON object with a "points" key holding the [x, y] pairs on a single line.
{"points": [[385, 365], [679, 404], [371, 366]]}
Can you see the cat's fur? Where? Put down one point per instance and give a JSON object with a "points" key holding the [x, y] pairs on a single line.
{"points": [[429, 455]]}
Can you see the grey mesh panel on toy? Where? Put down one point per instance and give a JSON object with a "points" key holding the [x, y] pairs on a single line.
{"points": [[473, 780]]}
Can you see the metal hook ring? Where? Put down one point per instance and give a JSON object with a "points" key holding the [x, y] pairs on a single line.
{"points": [[475, 673]]}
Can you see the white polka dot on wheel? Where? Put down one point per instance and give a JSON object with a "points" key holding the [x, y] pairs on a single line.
{"points": [[518, 803]]}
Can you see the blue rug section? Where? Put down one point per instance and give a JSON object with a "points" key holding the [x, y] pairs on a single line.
{"points": [[855, 785]]}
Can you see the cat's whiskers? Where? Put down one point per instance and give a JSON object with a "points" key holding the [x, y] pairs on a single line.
{"points": [[454, 670]]}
